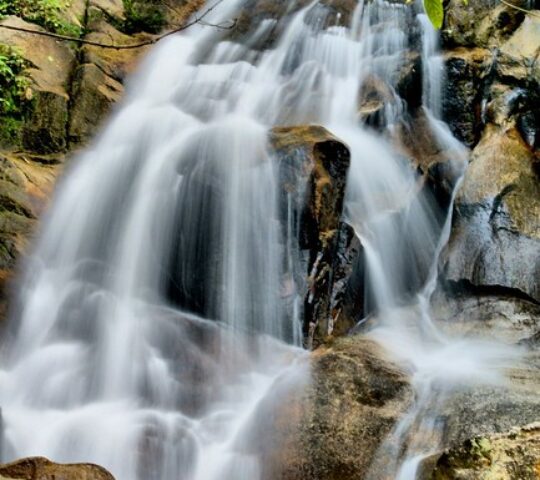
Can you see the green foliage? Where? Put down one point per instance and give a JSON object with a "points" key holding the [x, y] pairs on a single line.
{"points": [[435, 12], [14, 83], [143, 16], [46, 13], [14, 95]]}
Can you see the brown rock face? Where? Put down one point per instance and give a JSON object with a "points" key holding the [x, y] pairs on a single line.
{"points": [[333, 428], [39, 468], [50, 63], [511, 456], [496, 234], [313, 167]]}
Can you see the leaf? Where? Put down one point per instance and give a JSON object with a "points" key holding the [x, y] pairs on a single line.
{"points": [[435, 12]]}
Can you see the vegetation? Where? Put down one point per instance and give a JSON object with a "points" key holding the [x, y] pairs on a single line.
{"points": [[143, 16], [46, 13], [15, 93]]}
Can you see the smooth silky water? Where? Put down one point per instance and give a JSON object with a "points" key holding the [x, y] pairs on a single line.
{"points": [[152, 319]]}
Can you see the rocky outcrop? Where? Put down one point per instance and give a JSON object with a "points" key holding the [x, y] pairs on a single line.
{"points": [[496, 234], [71, 90], [25, 185], [490, 268], [313, 167], [39, 468], [51, 63], [333, 428], [511, 456]]}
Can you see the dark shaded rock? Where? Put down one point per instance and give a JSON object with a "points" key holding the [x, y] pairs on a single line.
{"points": [[45, 131], [313, 168], [332, 429], [495, 239], [467, 71], [374, 98], [39, 468], [347, 299], [408, 81]]}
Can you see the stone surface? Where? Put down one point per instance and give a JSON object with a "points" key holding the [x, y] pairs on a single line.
{"points": [[313, 166], [51, 63], [495, 239], [95, 94], [333, 428], [467, 72], [484, 23], [511, 456], [39, 468]]}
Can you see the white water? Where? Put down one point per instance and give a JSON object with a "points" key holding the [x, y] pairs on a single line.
{"points": [[176, 204]]}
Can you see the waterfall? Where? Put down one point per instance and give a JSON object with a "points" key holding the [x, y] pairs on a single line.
{"points": [[151, 321]]}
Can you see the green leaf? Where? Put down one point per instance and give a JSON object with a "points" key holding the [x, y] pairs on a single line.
{"points": [[435, 12]]}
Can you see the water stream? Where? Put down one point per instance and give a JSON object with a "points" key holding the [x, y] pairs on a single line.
{"points": [[151, 319]]}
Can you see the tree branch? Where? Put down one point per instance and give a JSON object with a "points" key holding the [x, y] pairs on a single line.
{"points": [[196, 20], [511, 5]]}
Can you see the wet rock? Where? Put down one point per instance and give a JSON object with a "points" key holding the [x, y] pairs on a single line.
{"points": [[313, 167], [374, 98], [511, 456], [407, 80], [39, 468], [495, 239], [332, 429], [467, 71], [25, 186], [347, 298], [95, 93]]}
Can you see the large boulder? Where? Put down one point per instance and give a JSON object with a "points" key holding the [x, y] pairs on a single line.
{"points": [[495, 241], [514, 455], [313, 167], [39, 468], [333, 428]]}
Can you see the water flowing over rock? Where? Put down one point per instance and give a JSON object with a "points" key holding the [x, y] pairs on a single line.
{"points": [[312, 167], [333, 428], [283, 183]]}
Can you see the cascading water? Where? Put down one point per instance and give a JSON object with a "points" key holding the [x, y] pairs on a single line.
{"points": [[151, 318]]}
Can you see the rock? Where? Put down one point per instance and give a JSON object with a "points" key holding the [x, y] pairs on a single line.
{"points": [[333, 428], [313, 167], [117, 64], [511, 456], [113, 9], [407, 80], [51, 63], [495, 240], [95, 93], [519, 53], [347, 298], [467, 72], [480, 24], [39, 468], [25, 186], [374, 98]]}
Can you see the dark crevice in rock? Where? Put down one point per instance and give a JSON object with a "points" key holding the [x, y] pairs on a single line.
{"points": [[464, 287]]}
